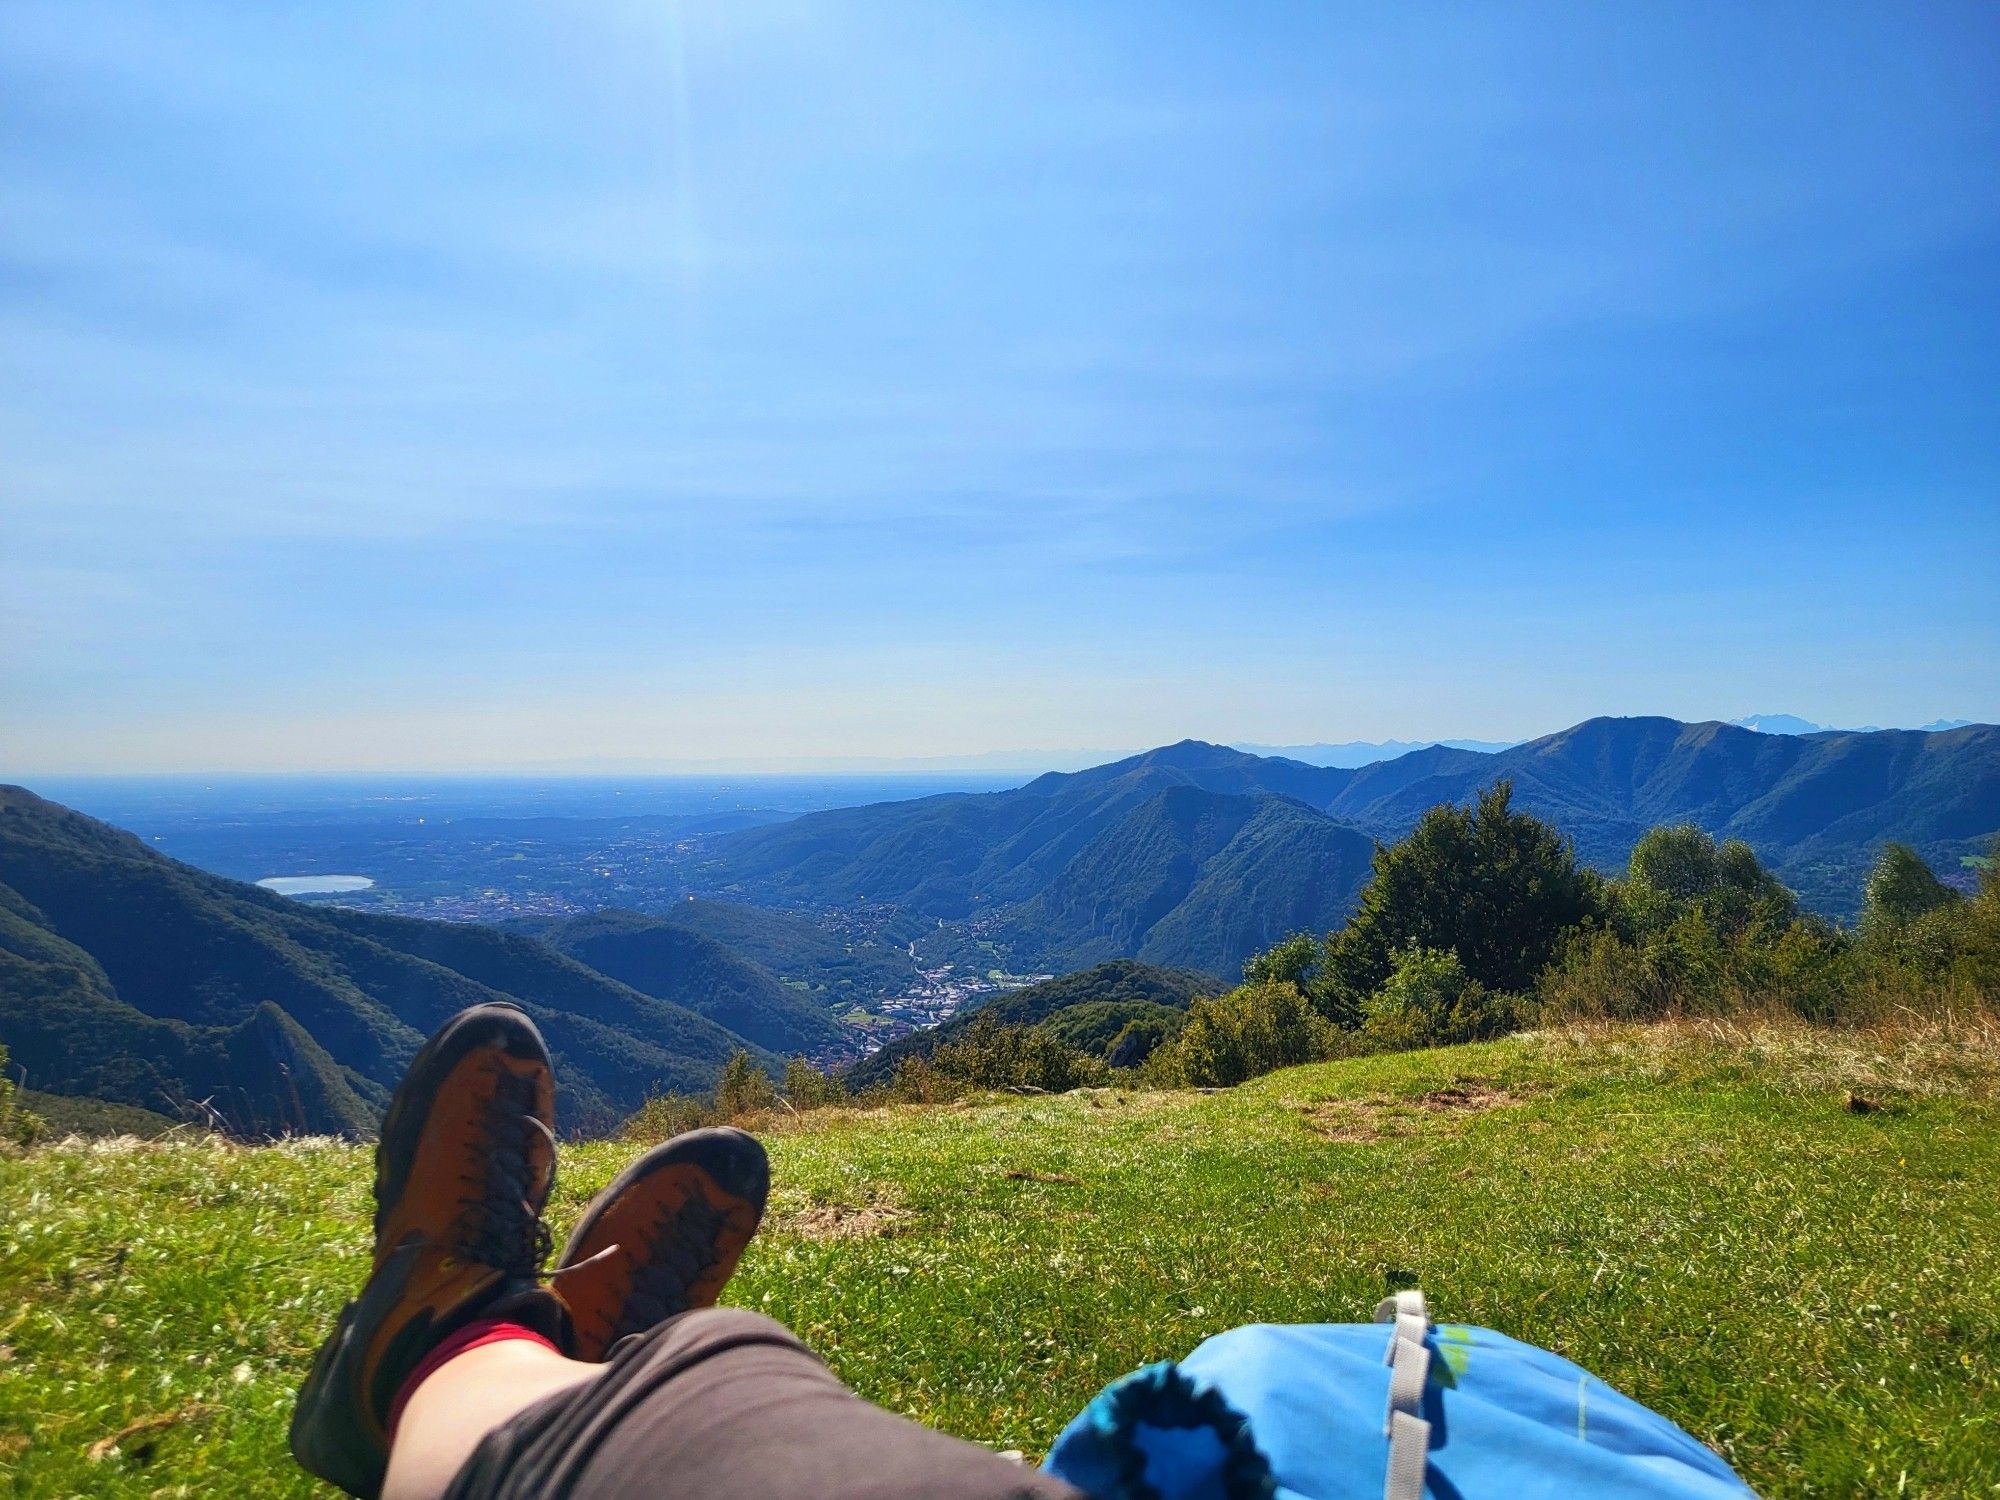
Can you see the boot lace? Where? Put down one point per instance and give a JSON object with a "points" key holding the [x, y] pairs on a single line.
{"points": [[499, 1224]]}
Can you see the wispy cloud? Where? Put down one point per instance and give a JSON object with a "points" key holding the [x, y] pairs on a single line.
{"points": [[514, 341]]}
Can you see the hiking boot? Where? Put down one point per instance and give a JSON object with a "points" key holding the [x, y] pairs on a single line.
{"points": [[465, 1163], [664, 1237]]}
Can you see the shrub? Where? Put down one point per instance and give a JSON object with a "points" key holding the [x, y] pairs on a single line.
{"points": [[665, 1116], [1251, 1030], [918, 1082], [1429, 1000], [743, 1089], [1599, 976], [806, 1087], [1140, 1039], [992, 1056], [19, 1125]]}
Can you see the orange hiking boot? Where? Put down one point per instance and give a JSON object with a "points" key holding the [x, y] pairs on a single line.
{"points": [[664, 1237], [465, 1163]]}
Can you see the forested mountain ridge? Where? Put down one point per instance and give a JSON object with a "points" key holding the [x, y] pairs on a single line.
{"points": [[1192, 854], [1086, 1009], [127, 976], [1813, 806], [663, 958], [1194, 879]]}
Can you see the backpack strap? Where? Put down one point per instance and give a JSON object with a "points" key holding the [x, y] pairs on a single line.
{"points": [[1409, 1361]]}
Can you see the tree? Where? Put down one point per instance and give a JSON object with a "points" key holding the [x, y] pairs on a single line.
{"points": [[1679, 871], [1678, 863], [1900, 889], [1493, 886], [1247, 1032], [1294, 961], [806, 1087], [743, 1089]]}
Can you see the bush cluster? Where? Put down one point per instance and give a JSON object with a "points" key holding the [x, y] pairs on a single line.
{"points": [[743, 1094], [1697, 928], [1481, 922]]}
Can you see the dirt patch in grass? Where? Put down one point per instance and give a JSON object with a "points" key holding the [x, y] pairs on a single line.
{"points": [[1464, 1094], [846, 1221], [1364, 1121]]}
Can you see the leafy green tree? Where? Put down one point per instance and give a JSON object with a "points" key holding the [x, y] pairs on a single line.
{"points": [[1250, 1031], [743, 1089], [1429, 1000], [1294, 961], [1679, 863], [1678, 870], [1496, 887], [806, 1087], [1900, 889]]}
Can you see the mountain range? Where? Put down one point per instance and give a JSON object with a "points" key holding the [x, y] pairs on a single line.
{"points": [[1197, 855], [127, 976], [1352, 753], [1793, 724]]}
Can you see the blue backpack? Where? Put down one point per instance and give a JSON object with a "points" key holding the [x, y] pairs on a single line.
{"points": [[1360, 1411]]}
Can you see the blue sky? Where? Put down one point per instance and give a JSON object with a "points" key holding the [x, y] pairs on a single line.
{"points": [[525, 386]]}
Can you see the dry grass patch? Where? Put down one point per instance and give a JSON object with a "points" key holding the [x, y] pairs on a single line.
{"points": [[1905, 1054], [821, 1221], [1363, 1121]]}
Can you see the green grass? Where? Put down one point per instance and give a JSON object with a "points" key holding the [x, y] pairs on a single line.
{"points": [[1697, 1216]]}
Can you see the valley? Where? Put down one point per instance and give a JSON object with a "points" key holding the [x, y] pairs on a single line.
{"points": [[143, 970]]}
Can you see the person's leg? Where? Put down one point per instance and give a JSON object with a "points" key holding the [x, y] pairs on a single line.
{"points": [[464, 1165], [663, 1237], [451, 1410], [695, 1400], [726, 1404]]}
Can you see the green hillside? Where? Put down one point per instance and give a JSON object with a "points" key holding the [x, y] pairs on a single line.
{"points": [[127, 976], [1093, 1005], [839, 968], [1816, 807], [1074, 866], [1191, 855], [1786, 1240], [1194, 878], [660, 957]]}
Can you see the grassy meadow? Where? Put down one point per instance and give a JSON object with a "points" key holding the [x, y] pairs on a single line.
{"points": [[1788, 1240]]}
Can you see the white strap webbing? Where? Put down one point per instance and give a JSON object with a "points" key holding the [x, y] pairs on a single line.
{"points": [[1409, 1361]]}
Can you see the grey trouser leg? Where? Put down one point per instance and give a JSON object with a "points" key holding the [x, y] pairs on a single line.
{"points": [[723, 1404]]}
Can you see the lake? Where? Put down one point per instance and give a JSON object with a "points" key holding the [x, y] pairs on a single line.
{"points": [[314, 885]]}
